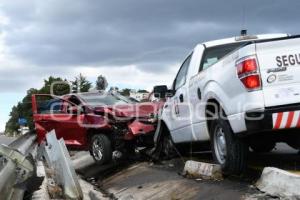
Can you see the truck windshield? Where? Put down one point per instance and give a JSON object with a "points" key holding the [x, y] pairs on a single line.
{"points": [[213, 54]]}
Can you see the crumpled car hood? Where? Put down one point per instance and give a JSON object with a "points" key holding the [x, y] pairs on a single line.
{"points": [[131, 110]]}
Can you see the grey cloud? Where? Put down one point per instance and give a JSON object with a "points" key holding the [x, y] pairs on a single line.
{"points": [[140, 32], [21, 79]]}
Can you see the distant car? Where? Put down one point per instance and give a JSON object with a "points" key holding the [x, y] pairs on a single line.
{"points": [[101, 122]]}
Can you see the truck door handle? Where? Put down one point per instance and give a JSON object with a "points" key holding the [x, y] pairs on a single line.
{"points": [[181, 98], [199, 93]]}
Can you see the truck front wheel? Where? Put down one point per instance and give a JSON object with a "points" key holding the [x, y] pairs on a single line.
{"points": [[100, 148], [228, 150]]}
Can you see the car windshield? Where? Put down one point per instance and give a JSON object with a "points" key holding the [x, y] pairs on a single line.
{"points": [[127, 99], [95, 99]]}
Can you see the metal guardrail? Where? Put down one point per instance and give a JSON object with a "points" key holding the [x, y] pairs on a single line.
{"points": [[58, 158], [16, 166]]}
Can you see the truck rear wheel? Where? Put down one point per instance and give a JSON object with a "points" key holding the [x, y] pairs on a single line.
{"points": [[228, 150], [100, 148]]}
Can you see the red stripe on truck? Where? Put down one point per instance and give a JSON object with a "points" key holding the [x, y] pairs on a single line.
{"points": [[298, 124], [278, 121], [290, 120]]}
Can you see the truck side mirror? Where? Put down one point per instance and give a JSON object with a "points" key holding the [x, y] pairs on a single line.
{"points": [[170, 93], [160, 91]]}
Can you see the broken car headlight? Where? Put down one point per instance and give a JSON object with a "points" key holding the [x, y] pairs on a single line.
{"points": [[151, 118]]}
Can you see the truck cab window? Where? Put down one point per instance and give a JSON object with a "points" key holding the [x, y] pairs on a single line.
{"points": [[214, 54], [181, 76]]}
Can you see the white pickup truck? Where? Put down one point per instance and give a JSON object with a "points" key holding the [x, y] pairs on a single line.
{"points": [[236, 93]]}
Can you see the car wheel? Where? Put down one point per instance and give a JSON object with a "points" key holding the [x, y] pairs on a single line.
{"points": [[100, 149], [263, 148], [228, 150]]}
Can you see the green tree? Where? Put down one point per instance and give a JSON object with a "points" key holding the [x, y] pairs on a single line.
{"points": [[24, 108], [12, 124], [101, 83], [143, 91], [55, 86], [125, 92], [81, 84], [113, 89]]}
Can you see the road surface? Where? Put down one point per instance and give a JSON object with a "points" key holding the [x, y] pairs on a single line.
{"points": [[144, 180], [6, 140]]}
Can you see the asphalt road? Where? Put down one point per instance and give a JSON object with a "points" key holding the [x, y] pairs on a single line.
{"points": [[6, 140], [144, 180], [283, 157]]}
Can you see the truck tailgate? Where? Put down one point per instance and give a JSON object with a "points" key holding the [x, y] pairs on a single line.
{"points": [[279, 63]]}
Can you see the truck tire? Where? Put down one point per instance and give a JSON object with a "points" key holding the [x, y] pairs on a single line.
{"points": [[168, 147], [263, 148], [100, 148], [228, 150]]}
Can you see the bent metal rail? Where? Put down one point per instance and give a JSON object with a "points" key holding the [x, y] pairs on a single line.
{"points": [[17, 166]]}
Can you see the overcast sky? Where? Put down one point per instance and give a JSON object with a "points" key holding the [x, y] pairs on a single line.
{"points": [[134, 43]]}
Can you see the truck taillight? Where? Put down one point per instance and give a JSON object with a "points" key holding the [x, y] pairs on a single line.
{"points": [[251, 82], [248, 73]]}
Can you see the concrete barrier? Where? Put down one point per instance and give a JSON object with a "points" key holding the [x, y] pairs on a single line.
{"points": [[203, 170], [279, 183]]}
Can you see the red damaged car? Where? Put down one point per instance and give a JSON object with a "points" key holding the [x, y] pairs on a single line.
{"points": [[101, 122]]}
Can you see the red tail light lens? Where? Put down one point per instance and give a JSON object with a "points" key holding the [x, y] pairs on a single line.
{"points": [[247, 66], [251, 82], [248, 73]]}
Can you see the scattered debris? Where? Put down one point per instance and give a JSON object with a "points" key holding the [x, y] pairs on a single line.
{"points": [[128, 197], [171, 165], [92, 193], [193, 169], [117, 155], [42, 191], [54, 190], [261, 196]]}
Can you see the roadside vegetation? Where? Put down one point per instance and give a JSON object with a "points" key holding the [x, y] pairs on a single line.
{"points": [[24, 110]]}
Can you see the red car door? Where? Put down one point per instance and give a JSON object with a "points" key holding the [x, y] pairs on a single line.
{"points": [[54, 113], [43, 108], [69, 125]]}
